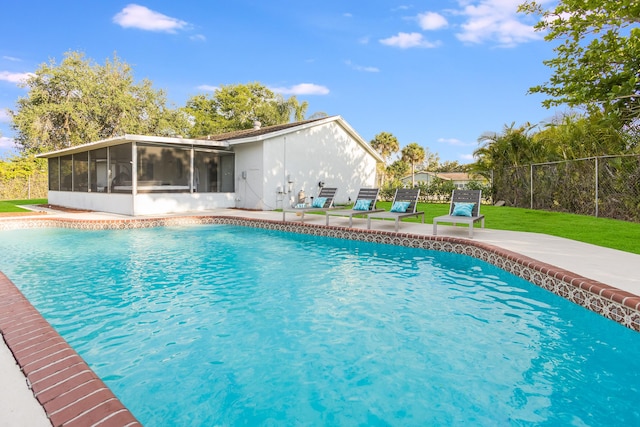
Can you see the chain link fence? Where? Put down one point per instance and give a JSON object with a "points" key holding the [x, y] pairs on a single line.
{"points": [[607, 186], [34, 186]]}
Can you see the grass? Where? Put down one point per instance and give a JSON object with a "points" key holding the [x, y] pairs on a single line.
{"points": [[609, 233], [14, 205]]}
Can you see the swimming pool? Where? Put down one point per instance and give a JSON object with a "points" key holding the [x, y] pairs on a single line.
{"points": [[310, 330]]}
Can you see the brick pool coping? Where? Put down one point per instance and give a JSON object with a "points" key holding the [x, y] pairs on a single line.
{"points": [[73, 395]]}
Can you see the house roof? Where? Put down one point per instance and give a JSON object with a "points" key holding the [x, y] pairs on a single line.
{"points": [[223, 140], [135, 138], [268, 132], [255, 132]]}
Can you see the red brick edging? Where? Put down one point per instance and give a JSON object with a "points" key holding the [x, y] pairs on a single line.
{"points": [[68, 390]]}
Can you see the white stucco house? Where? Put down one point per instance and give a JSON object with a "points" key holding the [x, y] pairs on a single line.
{"points": [[264, 168]]}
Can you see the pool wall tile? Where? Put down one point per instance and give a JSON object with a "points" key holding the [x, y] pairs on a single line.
{"points": [[73, 395]]}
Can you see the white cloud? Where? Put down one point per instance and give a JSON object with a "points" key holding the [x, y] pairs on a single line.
{"points": [[408, 40], [4, 116], [467, 157], [432, 21], [362, 68], [208, 88], [198, 38], [495, 20], [136, 16], [302, 89], [7, 143], [11, 58], [347, 15], [14, 77]]}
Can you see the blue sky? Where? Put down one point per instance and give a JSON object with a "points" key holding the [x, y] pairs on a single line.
{"points": [[440, 73]]}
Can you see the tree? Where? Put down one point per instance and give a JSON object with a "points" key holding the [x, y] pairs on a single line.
{"points": [[237, 107], [575, 136], [431, 160], [598, 58], [398, 169], [79, 101], [386, 145], [451, 166], [413, 154]]}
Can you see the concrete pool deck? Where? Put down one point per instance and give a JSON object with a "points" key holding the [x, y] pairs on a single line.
{"points": [[19, 407]]}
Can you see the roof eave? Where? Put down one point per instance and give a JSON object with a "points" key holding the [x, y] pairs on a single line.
{"points": [[133, 138]]}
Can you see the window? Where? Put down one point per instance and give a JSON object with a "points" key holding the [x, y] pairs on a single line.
{"points": [[66, 173], [54, 174], [163, 168], [213, 172], [98, 171], [81, 172], [120, 168]]}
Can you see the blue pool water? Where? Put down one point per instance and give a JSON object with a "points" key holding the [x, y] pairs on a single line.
{"points": [[224, 325]]}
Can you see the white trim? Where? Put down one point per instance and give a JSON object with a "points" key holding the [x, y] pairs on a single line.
{"points": [[134, 138]]}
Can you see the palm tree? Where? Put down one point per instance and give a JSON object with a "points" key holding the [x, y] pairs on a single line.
{"points": [[413, 154], [385, 144]]}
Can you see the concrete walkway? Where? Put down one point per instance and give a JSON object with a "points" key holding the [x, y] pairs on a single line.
{"points": [[18, 406]]}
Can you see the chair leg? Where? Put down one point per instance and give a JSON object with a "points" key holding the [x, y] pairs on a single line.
{"points": [[435, 228], [327, 214], [350, 221], [471, 230], [283, 214], [397, 224], [368, 223]]}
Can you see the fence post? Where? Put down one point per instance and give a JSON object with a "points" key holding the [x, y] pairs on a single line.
{"points": [[596, 160], [531, 185]]}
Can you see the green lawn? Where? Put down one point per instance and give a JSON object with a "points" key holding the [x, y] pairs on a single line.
{"points": [[13, 205], [610, 233]]}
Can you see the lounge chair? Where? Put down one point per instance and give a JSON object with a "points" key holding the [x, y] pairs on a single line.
{"points": [[321, 203], [404, 205], [365, 203], [464, 209]]}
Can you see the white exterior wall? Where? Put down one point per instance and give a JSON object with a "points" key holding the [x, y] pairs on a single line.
{"points": [[142, 204], [101, 202], [326, 153], [250, 177], [158, 203]]}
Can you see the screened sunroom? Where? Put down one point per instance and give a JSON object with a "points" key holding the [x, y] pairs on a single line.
{"points": [[138, 175]]}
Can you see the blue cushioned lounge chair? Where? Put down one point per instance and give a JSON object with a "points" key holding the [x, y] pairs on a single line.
{"points": [[322, 202], [404, 205], [365, 203], [464, 209]]}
